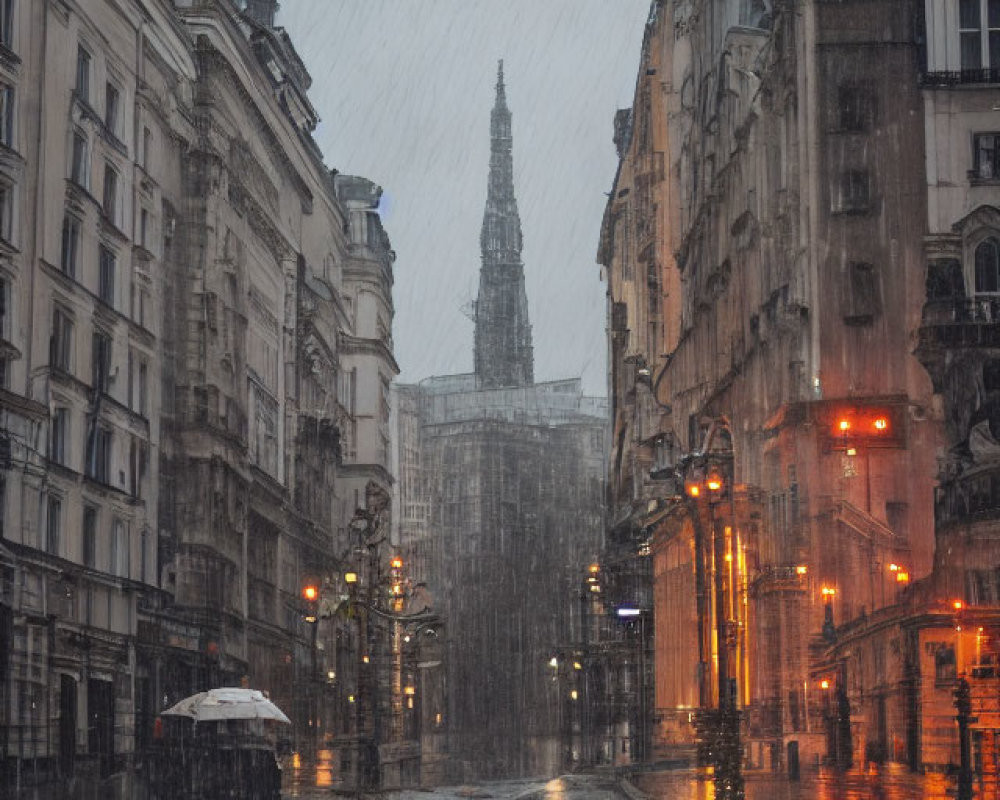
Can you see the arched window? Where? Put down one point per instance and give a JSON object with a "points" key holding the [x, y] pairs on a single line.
{"points": [[988, 266]]}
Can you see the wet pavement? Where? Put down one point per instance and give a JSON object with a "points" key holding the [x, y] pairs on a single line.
{"points": [[888, 783]]}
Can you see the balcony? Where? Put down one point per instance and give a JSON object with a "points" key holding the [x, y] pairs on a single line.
{"points": [[960, 322], [960, 77], [970, 497]]}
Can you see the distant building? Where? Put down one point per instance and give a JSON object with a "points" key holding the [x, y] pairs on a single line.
{"points": [[500, 490], [194, 379]]}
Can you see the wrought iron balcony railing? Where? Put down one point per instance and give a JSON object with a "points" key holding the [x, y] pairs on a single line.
{"points": [[960, 77]]}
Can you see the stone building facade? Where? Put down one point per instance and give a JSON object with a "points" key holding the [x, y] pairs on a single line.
{"points": [[195, 362], [946, 627], [763, 244]]}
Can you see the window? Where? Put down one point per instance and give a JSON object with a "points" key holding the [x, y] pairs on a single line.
{"points": [[143, 227], [944, 664], [59, 436], [53, 524], [80, 169], [110, 196], [987, 156], [862, 304], [988, 267], [70, 245], [143, 382], [5, 325], [147, 143], [61, 343], [856, 108], [106, 276], [7, 23], [855, 191], [99, 455], [112, 98], [89, 536], [119, 550], [979, 34], [6, 212], [101, 372], [83, 74], [6, 115]]}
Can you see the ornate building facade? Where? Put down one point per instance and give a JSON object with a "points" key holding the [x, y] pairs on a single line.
{"points": [[196, 360], [764, 251]]}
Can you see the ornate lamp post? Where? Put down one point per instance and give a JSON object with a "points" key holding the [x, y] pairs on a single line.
{"points": [[707, 480]]}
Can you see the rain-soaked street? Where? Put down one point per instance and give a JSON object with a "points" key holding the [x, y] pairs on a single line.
{"points": [[886, 784]]}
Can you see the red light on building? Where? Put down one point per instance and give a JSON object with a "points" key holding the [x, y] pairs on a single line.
{"points": [[824, 684], [693, 489], [310, 592], [844, 425], [880, 424], [902, 577]]}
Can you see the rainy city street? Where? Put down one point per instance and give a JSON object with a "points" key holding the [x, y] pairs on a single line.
{"points": [[500, 399]]}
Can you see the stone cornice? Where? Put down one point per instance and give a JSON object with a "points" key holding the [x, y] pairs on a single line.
{"points": [[354, 345]]}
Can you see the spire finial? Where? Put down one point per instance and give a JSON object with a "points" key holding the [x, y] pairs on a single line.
{"points": [[501, 91]]}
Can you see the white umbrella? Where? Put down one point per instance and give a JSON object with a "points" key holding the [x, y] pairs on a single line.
{"points": [[227, 703]]}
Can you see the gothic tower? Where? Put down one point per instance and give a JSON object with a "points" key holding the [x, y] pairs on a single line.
{"points": [[503, 353]]}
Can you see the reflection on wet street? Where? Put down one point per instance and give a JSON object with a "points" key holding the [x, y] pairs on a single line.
{"points": [[888, 784]]}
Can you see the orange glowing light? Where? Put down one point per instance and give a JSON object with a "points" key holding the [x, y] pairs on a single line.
{"points": [[310, 592], [824, 684], [409, 690], [693, 489], [396, 563], [714, 483], [902, 577], [594, 568], [893, 567], [844, 425], [881, 423], [828, 591], [957, 605], [801, 569], [350, 577]]}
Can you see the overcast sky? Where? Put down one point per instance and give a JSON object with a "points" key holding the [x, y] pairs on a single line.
{"points": [[404, 89]]}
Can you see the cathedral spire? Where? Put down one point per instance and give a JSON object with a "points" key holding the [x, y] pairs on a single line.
{"points": [[503, 352]]}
